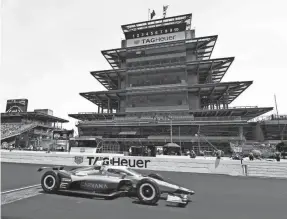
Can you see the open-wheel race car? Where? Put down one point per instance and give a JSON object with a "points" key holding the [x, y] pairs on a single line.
{"points": [[110, 182]]}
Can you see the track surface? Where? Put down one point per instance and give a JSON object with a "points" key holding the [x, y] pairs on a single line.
{"points": [[217, 197]]}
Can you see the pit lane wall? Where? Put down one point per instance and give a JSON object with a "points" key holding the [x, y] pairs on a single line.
{"points": [[182, 164], [271, 169]]}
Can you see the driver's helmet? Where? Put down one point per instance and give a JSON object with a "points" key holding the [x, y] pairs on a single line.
{"points": [[99, 165]]}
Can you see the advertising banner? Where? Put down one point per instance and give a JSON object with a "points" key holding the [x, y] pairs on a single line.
{"points": [[156, 39], [16, 105], [132, 162]]}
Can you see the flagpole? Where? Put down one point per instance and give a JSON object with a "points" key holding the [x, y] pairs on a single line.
{"points": [[277, 113], [148, 14]]}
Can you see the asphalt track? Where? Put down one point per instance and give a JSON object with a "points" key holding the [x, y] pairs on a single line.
{"points": [[217, 197]]}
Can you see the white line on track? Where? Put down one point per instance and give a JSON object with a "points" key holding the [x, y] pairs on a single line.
{"points": [[22, 188], [14, 195]]}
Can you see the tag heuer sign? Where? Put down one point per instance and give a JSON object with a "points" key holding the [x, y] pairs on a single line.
{"points": [[79, 159], [165, 38]]}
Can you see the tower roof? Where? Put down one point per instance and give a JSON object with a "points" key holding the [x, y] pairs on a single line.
{"points": [[186, 18]]}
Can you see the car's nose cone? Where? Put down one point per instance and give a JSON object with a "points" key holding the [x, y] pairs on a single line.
{"points": [[187, 191], [191, 192]]}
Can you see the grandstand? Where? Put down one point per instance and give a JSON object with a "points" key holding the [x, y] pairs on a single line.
{"points": [[165, 87], [25, 129]]}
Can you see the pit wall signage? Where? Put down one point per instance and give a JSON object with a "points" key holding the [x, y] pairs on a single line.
{"points": [[164, 38], [140, 163]]}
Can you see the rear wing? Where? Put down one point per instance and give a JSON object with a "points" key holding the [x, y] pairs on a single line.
{"points": [[53, 168]]}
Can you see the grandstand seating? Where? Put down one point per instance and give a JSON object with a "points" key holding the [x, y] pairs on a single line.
{"points": [[11, 129], [266, 150]]}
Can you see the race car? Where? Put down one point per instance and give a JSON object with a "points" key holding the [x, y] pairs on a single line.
{"points": [[110, 182]]}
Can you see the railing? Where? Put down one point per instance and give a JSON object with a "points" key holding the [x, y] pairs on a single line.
{"points": [[233, 118], [156, 86], [269, 118], [161, 119], [243, 107]]}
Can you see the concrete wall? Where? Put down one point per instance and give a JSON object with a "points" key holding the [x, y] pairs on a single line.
{"points": [[156, 57], [122, 105], [123, 84], [259, 136], [149, 163], [266, 169], [190, 56], [177, 164], [194, 102], [157, 108], [192, 78]]}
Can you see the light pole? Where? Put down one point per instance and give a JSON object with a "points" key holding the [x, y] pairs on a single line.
{"points": [[198, 138], [170, 117]]}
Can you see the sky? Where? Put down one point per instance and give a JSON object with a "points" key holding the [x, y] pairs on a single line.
{"points": [[49, 47]]}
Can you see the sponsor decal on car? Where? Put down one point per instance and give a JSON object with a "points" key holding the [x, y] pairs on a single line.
{"points": [[119, 161], [66, 180], [90, 185]]}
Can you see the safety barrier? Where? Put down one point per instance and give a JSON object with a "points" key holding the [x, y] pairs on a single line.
{"points": [[149, 163], [266, 169], [186, 164]]}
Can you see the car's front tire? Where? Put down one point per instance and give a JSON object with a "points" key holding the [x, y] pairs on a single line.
{"points": [[50, 182], [148, 192]]}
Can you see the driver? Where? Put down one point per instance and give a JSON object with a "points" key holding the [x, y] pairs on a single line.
{"points": [[98, 169]]}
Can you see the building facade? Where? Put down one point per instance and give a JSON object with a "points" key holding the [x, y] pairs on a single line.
{"points": [[163, 87]]}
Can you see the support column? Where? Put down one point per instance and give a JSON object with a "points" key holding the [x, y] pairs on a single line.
{"points": [[127, 81], [109, 106], [210, 77], [240, 132], [119, 82]]}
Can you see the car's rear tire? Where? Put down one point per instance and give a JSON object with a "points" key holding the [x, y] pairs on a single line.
{"points": [[50, 182], [148, 192]]}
